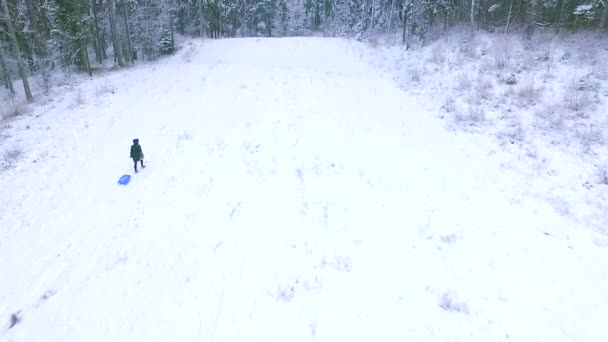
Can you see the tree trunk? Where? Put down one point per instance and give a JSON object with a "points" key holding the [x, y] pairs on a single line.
{"points": [[404, 25], [371, 17], [219, 14], [509, 16], [473, 8], [561, 14], [125, 51], [390, 18], [13, 35], [531, 20], [604, 15], [243, 18], [6, 77], [414, 28], [98, 45], [95, 43], [39, 44], [115, 42], [363, 15], [202, 17], [104, 45], [460, 12], [85, 57], [171, 26], [128, 32], [29, 54]]}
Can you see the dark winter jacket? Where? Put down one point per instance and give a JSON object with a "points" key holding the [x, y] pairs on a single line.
{"points": [[136, 152]]}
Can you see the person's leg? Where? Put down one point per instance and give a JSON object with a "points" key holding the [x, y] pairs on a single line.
{"points": [[142, 164], [135, 161]]}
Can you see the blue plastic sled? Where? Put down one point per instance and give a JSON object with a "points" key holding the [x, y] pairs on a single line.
{"points": [[124, 180]]}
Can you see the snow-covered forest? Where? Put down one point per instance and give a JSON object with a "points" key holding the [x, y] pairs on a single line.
{"points": [[39, 36], [316, 170]]}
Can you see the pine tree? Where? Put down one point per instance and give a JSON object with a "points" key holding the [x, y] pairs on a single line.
{"points": [[73, 19], [295, 18], [6, 76], [20, 65], [167, 45]]}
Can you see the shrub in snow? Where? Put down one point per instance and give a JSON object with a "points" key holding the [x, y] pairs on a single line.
{"points": [[437, 54], [545, 56], [483, 88], [529, 93], [581, 94], [511, 79], [486, 66], [414, 75], [467, 50], [449, 105], [7, 112], [13, 110], [285, 294], [590, 136], [501, 51], [373, 42], [600, 69], [167, 44], [547, 77], [586, 83], [79, 98], [551, 116], [603, 174], [477, 114], [10, 157], [474, 115], [463, 83], [514, 133], [449, 239], [183, 137], [104, 88], [449, 303]]}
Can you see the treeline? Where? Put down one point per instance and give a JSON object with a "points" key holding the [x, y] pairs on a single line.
{"points": [[40, 36]]}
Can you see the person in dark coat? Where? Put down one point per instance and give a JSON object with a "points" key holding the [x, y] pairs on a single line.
{"points": [[137, 154]]}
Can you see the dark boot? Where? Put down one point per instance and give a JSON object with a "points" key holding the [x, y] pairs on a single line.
{"points": [[142, 164]]}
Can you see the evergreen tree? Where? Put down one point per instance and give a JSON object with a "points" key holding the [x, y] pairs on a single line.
{"points": [[167, 44], [72, 17]]}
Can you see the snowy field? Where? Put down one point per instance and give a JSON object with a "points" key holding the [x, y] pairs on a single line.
{"points": [[293, 192]]}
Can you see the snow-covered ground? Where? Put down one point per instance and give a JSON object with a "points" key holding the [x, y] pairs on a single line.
{"points": [[293, 192], [544, 100]]}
